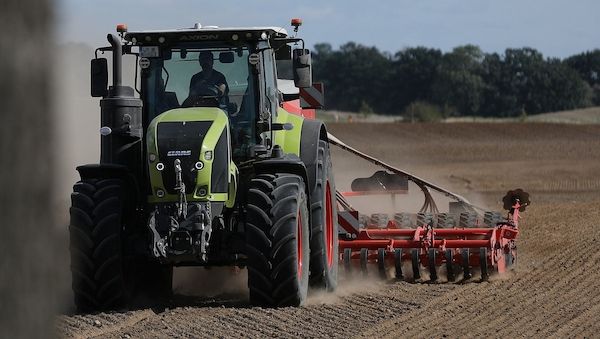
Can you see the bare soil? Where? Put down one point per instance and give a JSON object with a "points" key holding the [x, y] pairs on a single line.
{"points": [[552, 293]]}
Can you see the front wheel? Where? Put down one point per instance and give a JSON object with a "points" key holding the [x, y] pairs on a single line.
{"points": [[97, 263], [277, 240]]}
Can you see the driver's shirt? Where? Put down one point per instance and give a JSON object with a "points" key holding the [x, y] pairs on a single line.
{"points": [[216, 78]]}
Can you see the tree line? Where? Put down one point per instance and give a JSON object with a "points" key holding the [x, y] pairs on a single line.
{"points": [[462, 82]]}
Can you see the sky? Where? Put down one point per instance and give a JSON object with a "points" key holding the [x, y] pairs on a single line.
{"points": [[557, 28]]}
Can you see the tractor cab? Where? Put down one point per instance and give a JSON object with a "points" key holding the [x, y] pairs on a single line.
{"points": [[240, 79]]}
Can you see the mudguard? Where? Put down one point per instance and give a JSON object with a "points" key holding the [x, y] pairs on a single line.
{"points": [[105, 171], [288, 163], [114, 171], [312, 132]]}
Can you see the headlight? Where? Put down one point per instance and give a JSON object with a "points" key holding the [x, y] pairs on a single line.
{"points": [[202, 191]]}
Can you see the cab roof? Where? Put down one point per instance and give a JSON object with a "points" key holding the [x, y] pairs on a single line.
{"points": [[205, 33]]}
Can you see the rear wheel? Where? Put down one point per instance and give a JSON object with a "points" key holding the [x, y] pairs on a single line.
{"points": [[98, 278], [324, 232], [277, 240]]}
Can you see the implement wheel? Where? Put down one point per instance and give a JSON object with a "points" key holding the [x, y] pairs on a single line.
{"points": [[431, 261], [347, 261], [483, 264], [324, 225], [450, 266], [277, 240], [415, 264], [465, 264], [364, 260], [381, 263], [398, 263]]}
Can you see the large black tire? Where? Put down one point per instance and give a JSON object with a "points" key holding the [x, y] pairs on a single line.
{"points": [[95, 243], [277, 240], [324, 225]]}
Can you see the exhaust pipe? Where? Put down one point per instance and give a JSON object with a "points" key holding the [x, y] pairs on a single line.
{"points": [[117, 60]]}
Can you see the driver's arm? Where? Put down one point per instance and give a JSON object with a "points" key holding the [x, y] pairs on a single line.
{"points": [[222, 84], [221, 88]]}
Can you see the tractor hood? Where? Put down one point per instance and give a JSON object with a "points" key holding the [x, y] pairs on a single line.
{"points": [[199, 138]]}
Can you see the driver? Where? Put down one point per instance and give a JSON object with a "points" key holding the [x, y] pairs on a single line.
{"points": [[208, 76]]}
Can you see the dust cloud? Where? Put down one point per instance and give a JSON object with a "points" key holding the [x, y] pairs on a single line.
{"points": [[348, 167], [348, 285]]}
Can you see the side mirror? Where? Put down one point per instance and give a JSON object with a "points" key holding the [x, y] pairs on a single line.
{"points": [[99, 77], [302, 68], [226, 57], [283, 53]]}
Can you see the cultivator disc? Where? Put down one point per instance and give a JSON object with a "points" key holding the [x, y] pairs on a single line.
{"points": [[429, 250], [459, 242]]}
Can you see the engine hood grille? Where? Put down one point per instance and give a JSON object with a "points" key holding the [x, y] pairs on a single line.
{"points": [[180, 140]]}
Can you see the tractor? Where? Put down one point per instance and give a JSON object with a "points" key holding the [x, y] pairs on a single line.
{"points": [[196, 172], [211, 161]]}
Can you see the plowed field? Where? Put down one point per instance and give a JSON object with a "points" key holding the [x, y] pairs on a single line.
{"points": [[553, 291]]}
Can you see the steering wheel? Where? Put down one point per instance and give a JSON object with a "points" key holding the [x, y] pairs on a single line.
{"points": [[204, 96]]}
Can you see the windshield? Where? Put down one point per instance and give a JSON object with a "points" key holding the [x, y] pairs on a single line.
{"points": [[203, 77]]}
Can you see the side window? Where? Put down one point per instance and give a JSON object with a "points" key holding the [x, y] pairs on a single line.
{"points": [[270, 82]]}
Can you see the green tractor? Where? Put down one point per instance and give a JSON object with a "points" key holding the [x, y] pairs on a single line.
{"points": [[203, 169]]}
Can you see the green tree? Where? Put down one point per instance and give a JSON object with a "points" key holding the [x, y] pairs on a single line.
{"points": [[587, 64], [459, 83], [465, 81], [352, 74], [413, 72], [498, 98]]}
